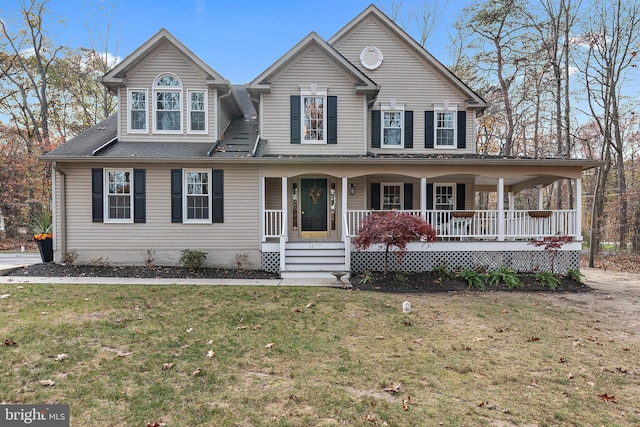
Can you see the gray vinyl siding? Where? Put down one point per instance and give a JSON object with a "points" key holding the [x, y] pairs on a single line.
{"points": [[313, 66], [167, 59], [127, 243], [403, 76]]}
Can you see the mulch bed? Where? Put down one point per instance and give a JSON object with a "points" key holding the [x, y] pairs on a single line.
{"points": [[428, 282], [424, 282]]}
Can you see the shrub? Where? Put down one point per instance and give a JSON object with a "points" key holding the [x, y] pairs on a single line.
{"points": [[575, 275], [441, 271], [70, 257], [547, 279], [149, 256], [473, 278], [193, 260], [366, 277], [504, 275]]}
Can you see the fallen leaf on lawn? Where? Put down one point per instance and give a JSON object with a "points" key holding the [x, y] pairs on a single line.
{"points": [[9, 343], [392, 387], [500, 329], [47, 383], [209, 342], [19, 287], [124, 353], [405, 407], [241, 328], [487, 405], [570, 376], [189, 330], [157, 424], [575, 343], [308, 305], [623, 371], [167, 366], [61, 356], [533, 339], [196, 372], [418, 341], [185, 346], [563, 360], [477, 339], [505, 311], [370, 419], [298, 310], [211, 354], [534, 383], [591, 383], [3, 296], [379, 337], [270, 345], [608, 398], [590, 338], [257, 328]]}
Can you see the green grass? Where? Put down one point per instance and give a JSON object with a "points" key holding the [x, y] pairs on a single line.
{"points": [[468, 360]]}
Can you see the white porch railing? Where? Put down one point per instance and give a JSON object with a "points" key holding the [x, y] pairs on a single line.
{"points": [[272, 223], [458, 225], [483, 224]]}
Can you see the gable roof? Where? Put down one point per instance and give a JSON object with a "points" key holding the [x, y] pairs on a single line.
{"points": [[473, 98], [364, 83], [117, 76]]}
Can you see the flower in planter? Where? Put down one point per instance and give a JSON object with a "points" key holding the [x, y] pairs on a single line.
{"points": [[43, 236]]}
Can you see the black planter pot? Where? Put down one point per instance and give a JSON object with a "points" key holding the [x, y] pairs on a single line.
{"points": [[46, 249]]}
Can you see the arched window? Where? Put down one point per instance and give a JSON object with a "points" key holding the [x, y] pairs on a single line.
{"points": [[167, 92]]}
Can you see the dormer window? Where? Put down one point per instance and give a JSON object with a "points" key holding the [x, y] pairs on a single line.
{"points": [[167, 92], [137, 110]]}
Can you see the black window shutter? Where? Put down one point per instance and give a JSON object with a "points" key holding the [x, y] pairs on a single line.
{"points": [[217, 202], [176, 195], [429, 196], [428, 129], [408, 129], [97, 201], [375, 196], [462, 129], [139, 196], [408, 195], [375, 128], [460, 196], [332, 119], [296, 124]]}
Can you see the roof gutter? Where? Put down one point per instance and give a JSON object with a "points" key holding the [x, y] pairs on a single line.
{"points": [[103, 146]]}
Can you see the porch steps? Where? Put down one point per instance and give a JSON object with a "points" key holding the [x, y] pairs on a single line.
{"points": [[313, 260]]}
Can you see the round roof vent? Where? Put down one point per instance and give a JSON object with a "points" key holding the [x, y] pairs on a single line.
{"points": [[371, 57]]}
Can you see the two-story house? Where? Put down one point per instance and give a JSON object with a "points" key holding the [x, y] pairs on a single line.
{"points": [[282, 171]]}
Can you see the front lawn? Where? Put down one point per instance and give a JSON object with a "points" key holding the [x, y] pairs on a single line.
{"points": [[263, 356]]}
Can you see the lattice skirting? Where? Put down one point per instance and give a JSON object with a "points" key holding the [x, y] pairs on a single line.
{"points": [[271, 262], [520, 261]]}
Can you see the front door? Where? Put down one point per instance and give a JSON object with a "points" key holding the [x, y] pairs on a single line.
{"points": [[313, 196]]}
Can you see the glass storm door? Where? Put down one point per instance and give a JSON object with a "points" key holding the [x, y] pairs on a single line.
{"points": [[313, 197]]}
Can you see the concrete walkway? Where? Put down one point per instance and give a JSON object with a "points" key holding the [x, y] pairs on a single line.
{"points": [[11, 262]]}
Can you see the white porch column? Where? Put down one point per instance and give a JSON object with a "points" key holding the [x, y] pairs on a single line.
{"points": [[511, 199], [539, 188], [423, 198], [500, 203], [285, 224], [578, 205], [261, 203], [343, 205]]}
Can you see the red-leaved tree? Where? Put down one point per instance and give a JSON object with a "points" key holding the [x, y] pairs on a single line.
{"points": [[393, 229]]}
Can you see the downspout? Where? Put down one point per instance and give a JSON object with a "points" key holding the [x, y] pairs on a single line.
{"points": [[63, 210]]}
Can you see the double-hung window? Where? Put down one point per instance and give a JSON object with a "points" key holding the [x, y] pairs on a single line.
{"points": [[137, 110], [444, 195], [197, 111], [392, 124], [118, 195], [168, 104], [445, 129], [392, 196], [197, 193], [314, 114]]}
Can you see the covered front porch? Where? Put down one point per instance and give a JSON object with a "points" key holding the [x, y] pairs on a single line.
{"points": [[310, 217]]}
